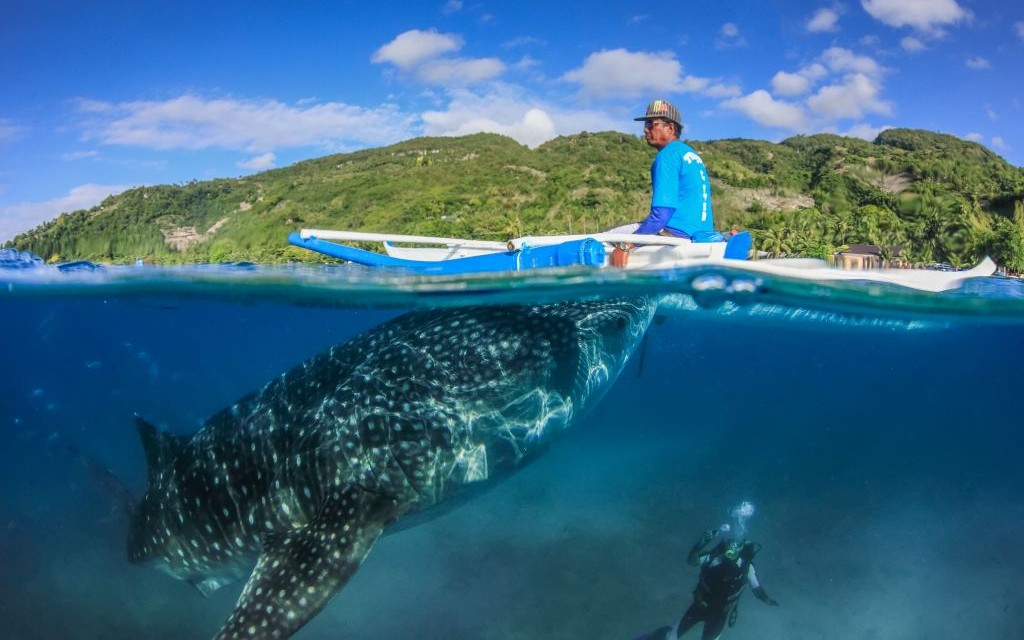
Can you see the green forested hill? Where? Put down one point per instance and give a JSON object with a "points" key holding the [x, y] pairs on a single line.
{"points": [[936, 197]]}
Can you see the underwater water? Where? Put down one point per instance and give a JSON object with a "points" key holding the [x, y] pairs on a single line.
{"points": [[876, 431]]}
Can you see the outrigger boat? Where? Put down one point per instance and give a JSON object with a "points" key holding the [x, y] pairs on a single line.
{"points": [[455, 256]]}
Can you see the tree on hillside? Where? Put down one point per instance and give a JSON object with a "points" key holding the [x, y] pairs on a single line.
{"points": [[954, 200]]}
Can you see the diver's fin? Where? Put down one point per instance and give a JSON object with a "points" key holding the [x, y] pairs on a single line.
{"points": [[661, 633], [299, 572], [160, 447]]}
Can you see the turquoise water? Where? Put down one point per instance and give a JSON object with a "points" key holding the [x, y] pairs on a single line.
{"points": [[876, 430]]}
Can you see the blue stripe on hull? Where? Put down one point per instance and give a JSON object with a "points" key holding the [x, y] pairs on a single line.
{"points": [[586, 252]]}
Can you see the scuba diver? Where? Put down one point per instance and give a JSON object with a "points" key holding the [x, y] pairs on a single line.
{"points": [[725, 570]]}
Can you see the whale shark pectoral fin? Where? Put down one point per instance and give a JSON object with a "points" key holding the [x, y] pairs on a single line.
{"points": [[299, 572]]}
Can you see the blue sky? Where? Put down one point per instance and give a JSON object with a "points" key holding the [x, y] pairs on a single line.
{"points": [[103, 96]]}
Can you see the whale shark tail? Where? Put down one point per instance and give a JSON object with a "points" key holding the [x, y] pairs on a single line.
{"points": [[122, 502]]}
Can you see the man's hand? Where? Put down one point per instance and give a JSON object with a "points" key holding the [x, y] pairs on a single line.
{"points": [[620, 255], [763, 596]]}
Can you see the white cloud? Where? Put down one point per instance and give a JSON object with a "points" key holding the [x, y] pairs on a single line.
{"points": [[192, 122], [622, 73], [799, 83], [865, 131], [912, 44], [532, 128], [522, 41], [855, 97], [823, 20], [851, 87], [526, 62], [842, 60], [790, 84], [999, 143], [452, 6], [853, 92], [991, 113], [1019, 28], [974, 137], [413, 47], [260, 162], [765, 110], [457, 72], [422, 53], [928, 16], [730, 36], [722, 91], [72, 156], [504, 110], [8, 130], [814, 71], [977, 62], [18, 218]]}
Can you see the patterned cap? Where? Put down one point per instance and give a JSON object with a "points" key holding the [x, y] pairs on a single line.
{"points": [[662, 109]]}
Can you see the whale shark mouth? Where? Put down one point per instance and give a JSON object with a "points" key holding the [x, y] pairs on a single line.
{"points": [[306, 474]]}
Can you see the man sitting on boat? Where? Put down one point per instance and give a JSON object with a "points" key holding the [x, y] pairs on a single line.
{"points": [[681, 191]]}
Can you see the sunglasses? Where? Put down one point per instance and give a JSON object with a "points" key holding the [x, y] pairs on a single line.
{"points": [[650, 124]]}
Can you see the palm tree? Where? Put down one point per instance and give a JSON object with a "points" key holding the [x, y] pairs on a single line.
{"points": [[513, 227], [773, 240], [842, 223]]}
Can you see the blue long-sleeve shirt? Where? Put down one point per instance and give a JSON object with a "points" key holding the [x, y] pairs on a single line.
{"points": [[681, 198]]}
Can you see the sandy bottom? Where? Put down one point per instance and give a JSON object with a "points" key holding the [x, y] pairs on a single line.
{"points": [[589, 542]]}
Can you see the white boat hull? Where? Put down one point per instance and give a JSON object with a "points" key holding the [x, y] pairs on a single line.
{"points": [[657, 253]]}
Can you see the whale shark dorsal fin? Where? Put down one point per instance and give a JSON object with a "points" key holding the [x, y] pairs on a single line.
{"points": [[160, 447], [299, 571]]}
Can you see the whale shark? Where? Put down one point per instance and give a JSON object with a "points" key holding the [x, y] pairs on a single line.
{"points": [[292, 485]]}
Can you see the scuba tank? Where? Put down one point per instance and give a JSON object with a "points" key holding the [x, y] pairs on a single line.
{"points": [[724, 576]]}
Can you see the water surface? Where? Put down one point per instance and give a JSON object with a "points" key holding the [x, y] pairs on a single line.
{"points": [[875, 429]]}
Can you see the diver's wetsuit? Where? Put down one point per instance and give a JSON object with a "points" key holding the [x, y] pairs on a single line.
{"points": [[724, 572]]}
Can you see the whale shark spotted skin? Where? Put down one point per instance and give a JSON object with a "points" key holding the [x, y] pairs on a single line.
{"points": [[303, 476]]}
